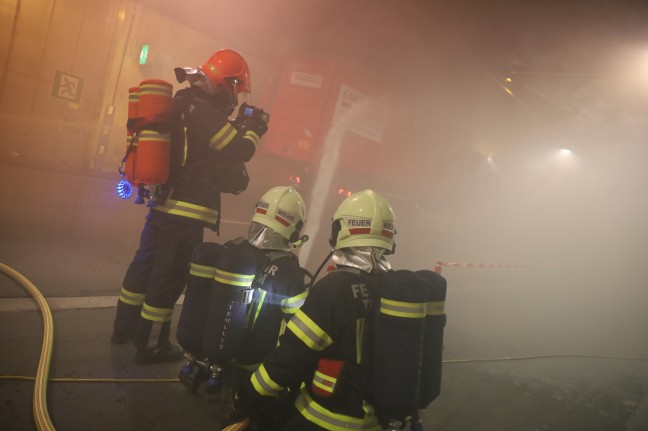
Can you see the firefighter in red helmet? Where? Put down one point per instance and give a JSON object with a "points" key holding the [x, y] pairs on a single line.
{"points": [[208, 153]]}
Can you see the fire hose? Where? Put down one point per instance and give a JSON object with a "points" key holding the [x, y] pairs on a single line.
{"points": [[41, 414]]}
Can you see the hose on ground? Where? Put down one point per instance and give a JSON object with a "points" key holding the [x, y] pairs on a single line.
{"points": [[41, 414]]}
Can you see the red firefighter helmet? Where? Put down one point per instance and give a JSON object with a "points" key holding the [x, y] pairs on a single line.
{"points": [[227, 67]]}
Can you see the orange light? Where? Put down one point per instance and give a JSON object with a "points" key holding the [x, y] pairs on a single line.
{"points": [[340, 191]]}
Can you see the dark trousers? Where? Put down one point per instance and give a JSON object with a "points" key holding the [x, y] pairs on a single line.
{"points": [[158, 275]]}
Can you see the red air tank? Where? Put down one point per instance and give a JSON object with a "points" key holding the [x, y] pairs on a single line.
{"points": [[155, 99], [152, 157], [148, 154]]}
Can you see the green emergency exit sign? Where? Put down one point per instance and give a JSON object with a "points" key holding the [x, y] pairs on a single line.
{"points": [[144, 54]]}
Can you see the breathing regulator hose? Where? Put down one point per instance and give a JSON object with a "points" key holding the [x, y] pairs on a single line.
{"points": [[41, 415]]}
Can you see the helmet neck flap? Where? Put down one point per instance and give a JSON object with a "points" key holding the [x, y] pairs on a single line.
{"points": [[266, 238], [371, 260]]}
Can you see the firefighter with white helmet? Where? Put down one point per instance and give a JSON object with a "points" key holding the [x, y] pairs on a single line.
{"points": [[208, 152], [327, 344], [239, 328], [364, 351], [276, 227]]}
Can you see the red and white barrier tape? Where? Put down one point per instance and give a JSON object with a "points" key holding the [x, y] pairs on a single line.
{"points": [[440, 264]]}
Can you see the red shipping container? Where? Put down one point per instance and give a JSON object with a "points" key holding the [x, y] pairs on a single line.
{"points": [[321, 105]]}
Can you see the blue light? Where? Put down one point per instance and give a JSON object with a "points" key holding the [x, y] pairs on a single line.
{"points": [[124, 189]]}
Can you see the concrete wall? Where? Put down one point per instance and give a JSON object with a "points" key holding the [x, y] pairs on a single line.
{"points": [[59, 153], [65, 70]]}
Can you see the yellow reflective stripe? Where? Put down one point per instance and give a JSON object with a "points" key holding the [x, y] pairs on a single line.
{"points": [[259, 304], [324, 382], [185, 209], [328, 420], [153, 135], [155, 89], [156, 314], [282, 329], [186, 146], [203, 271], [223, 137], [252, 136], [292, 305], [233, 278], [309, 332], [131, 298], [435, 308], [360, 323], [413, 310], [263, 384]]}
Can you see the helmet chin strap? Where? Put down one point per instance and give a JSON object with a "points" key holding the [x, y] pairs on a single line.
{"points": [[232, 95]]}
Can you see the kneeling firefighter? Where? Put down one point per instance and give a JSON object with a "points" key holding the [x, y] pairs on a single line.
{"points": [[357, 344], [207, 156], [241, 294]]}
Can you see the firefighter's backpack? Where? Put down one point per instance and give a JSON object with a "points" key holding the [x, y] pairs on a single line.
{"points": [[265, 317], [147, 163], [213, 315], [408, 342], [150, 162], [221, 286]]}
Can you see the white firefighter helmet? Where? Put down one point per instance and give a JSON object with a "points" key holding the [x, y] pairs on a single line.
{"points": [[282, 209], [364, 219]]}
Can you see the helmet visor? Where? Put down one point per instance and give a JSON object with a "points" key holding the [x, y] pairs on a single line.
{"points": [[196, 77]]}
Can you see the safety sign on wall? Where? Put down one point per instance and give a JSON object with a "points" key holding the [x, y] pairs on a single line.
{"points": [[306, 79], [369, 115], [67, 86]]}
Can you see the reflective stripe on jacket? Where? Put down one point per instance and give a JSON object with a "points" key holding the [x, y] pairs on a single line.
{"points": [[328, 329], [320, 415]]}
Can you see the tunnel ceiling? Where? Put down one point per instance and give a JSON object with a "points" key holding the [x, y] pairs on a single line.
{"points": [[570, 62]]}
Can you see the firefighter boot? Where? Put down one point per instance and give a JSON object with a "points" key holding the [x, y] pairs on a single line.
{"points": [[153, 345], [171, 353], [125, 323]]}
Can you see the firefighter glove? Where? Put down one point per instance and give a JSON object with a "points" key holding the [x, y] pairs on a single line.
{"points": [[255, 124], [260, 411], [246, 110]]}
